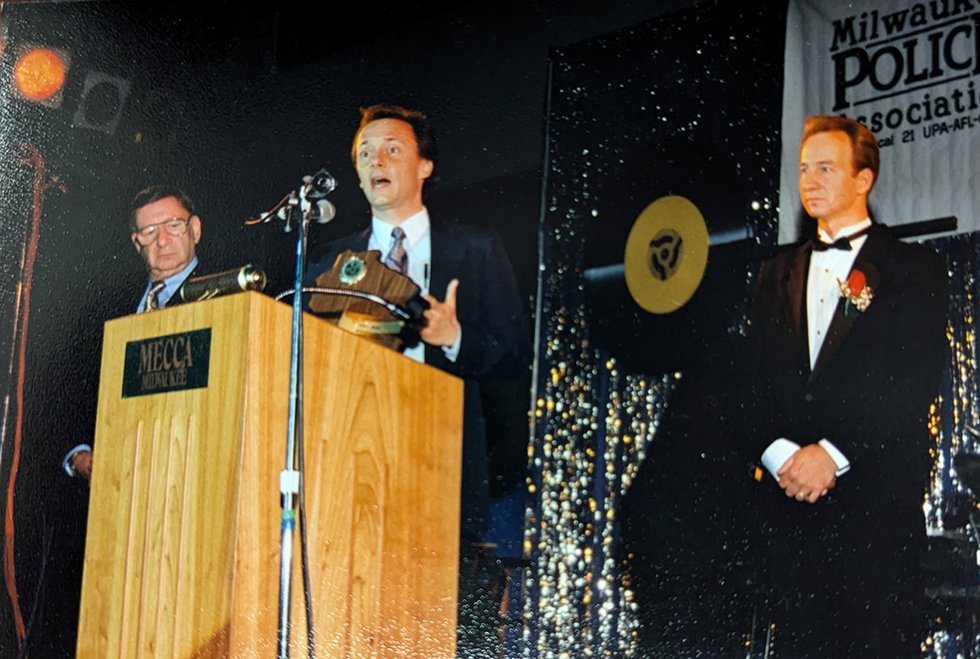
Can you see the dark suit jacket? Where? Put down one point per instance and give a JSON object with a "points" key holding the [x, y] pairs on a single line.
{"points": [[869, 393], [495, 343]]}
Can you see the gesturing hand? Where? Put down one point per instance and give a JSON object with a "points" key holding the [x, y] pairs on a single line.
{"points": [[441, 326]]}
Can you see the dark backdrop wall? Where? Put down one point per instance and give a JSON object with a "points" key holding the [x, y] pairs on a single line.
{"points": [[686, 104]]}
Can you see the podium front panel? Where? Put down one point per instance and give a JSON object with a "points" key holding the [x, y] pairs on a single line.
{"points": [[183, 545]]}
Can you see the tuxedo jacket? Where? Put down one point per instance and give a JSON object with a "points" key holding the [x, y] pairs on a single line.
{"points": [[495, 339], [869, 393]]}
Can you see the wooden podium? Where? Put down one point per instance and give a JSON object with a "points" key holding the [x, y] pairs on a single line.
{"points": [[183, 542]]}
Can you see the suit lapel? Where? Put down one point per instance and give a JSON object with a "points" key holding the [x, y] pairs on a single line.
{"points": [[358, 242], [447, 261], [842, 323], [448, 254], [355, 242], [794, 290]]}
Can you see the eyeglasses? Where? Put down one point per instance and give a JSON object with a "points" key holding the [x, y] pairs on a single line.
{"points": [[175, 226]]}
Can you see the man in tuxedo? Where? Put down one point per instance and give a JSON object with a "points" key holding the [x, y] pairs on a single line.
{"points": [[165, 230], [477, 331], [846, 340]]}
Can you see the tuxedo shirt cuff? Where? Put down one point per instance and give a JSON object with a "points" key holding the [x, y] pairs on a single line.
{"points": [[843, 464], [776, 455]]}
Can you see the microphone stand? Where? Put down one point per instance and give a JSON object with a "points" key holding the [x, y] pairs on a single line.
{"points": [[311, 200]]}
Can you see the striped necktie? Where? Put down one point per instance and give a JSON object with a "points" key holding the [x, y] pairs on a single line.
{"points": [[151, 297], [397, 258]]}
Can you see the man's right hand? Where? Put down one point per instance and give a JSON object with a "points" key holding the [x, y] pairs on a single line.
{"points": [[81, 464], [441, 325]]}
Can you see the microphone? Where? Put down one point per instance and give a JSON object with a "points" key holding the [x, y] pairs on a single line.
{"points": [[319, 185], [246, 278], [325, 211]]}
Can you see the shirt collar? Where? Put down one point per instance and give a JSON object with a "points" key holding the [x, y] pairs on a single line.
{"points": [[415, 227], [171, 283]]}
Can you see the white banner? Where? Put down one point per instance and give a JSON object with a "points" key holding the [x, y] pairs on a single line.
{"points": [[907, 70]]}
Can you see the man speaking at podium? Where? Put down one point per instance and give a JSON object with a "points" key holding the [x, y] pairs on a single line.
{"points": [[476, 331], [165, 230]]}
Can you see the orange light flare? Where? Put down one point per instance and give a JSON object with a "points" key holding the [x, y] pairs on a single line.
{"points": [[39, 74]]}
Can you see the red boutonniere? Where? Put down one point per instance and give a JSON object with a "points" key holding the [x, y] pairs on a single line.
{"points": [[855, 291]]}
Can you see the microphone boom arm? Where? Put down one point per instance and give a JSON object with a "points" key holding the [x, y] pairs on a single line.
{"points": [[397, 311]]}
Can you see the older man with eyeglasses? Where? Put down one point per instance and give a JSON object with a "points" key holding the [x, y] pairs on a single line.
{"points": [[164, 230]]}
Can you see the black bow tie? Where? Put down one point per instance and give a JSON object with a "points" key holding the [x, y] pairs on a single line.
{"points": [[844, 242]]}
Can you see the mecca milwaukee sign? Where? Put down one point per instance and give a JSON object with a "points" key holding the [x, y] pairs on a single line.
{"points": [[167, 363]]}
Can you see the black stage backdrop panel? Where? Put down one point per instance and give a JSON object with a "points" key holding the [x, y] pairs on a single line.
{"points": [[67, 175], [687, 105]]}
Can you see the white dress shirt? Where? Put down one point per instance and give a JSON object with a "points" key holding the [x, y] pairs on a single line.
{"points": [[170, 286], [827, 269], [418, 247]]}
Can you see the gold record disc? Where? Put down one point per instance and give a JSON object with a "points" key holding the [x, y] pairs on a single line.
{"points": [[666, 254]]}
